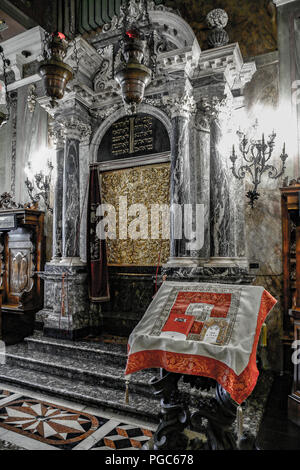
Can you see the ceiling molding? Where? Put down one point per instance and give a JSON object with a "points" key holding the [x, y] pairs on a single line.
{"points": [[17, 14]]}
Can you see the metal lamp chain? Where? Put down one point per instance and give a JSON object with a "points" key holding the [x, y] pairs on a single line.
{"points": [[46, 49]]}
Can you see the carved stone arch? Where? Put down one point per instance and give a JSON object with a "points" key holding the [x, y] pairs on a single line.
{"points": [[118, 114], [185, 35]]}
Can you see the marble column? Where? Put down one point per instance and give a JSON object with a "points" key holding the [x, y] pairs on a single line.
{"points": [[200, 149], [59, 143], [71, 202], [179, 185], [228, 245], [201, 175], [66, 295], [84, 157], [183, 185]]}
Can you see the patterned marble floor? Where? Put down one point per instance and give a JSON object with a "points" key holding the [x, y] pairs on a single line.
{"points": [[35, 422]]}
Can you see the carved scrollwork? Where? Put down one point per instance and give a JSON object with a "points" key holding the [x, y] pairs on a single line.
{"points": [[180, 105], [174, 416], [133, 12], [74, 128], [104, 76], [19, 271], [104, 113], [56, 136], [7, 202], [31, 98], [210, 109], [137, 12]]}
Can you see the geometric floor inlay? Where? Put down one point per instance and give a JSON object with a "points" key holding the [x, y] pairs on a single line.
{"points": [[51, 424], [63, 427], [124, 437], [5, 394]]}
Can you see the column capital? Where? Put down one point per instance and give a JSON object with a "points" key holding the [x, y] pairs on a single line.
{"points": [[183, 105], [56, 137], [212, 108], [75, 128]]}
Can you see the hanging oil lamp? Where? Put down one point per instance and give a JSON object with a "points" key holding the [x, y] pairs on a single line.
{"points": [[4, 116], [54, 71], [3, 119], [134, 76]]}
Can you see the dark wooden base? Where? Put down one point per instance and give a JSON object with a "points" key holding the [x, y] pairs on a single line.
{"points": [[220, 413], [294, 408]]}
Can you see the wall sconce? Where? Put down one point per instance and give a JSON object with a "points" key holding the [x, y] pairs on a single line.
{"points": [[256, 154], [40, 187], [4, 116], [54, 71]]}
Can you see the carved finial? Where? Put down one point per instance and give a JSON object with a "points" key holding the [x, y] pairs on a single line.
{"points": [[217, 20]]}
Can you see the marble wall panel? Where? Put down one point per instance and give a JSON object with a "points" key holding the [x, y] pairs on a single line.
{"points": [[84, 181], [263, 223], [71, 201]]}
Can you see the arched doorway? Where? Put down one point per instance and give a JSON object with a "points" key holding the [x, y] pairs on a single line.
{"points": [[133, 160]]}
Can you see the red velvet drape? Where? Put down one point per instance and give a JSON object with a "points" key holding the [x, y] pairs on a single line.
{"points": [[96, 248]]}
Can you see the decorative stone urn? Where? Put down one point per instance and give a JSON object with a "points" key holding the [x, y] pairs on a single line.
{"points": [[217, 20]]}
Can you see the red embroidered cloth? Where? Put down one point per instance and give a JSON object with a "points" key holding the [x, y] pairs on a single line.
{"points": [[222, 343]]}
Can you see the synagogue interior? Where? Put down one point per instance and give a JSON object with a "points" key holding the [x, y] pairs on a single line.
{"points": [[150, 225]]}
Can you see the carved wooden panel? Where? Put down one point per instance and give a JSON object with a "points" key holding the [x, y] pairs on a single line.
{"points": [[21, 255], [19, 271], [20, 265]]}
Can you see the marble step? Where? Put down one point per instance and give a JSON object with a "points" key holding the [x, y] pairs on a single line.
{"points": [[100, 372], [114, 353], [100, 396]]}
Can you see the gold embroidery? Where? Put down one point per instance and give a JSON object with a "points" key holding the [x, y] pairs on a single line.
{"points": [[145, 185]]}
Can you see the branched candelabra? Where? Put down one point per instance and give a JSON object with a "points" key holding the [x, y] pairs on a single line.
{"points": [[40, 188], [257, 154]]}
